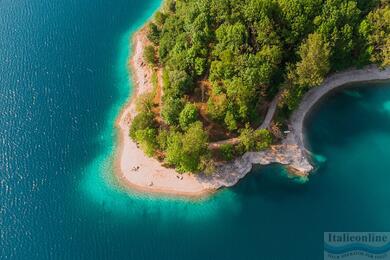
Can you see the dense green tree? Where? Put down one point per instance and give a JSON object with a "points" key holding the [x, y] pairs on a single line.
{"points": [[217, 106], [314, 64], [186, 151], [230, 37], [150, 55], [200, 66], [159, 18], [154, 33], [338, 23], [178, 83], [230, 121], [162, 139], [173, 151], [298, 17], [143, 127], [147, 140], [227, 152], [254, 140], [141, 121], [171, 110], [263, 139], [376, 30], [241, 96], [195, 147], [188, 115]]}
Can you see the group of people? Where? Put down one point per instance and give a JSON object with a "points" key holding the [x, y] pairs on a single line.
{"points": [[135, 168]]}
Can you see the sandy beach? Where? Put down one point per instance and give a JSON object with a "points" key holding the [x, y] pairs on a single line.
{"points": [[151, 176], [139, 172]]}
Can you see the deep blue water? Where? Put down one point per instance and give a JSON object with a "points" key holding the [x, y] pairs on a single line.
{"points": [[62, 82]]}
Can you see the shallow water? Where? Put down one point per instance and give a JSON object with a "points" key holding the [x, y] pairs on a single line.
{"points": [[62, 82]]}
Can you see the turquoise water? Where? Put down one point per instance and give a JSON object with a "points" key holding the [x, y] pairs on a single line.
{"points": [[62, 82]]}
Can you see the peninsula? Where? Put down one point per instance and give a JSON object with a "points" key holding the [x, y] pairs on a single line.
{"points": [[218, 89]]}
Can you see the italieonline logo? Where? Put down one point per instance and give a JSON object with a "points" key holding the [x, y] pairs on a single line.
{"points": [[357, 245]]}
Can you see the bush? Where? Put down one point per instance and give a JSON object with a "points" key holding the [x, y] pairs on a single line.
{"points": [[314, 64], [150, 55], [230, 121], [188, 115], [141, 121], [154, 33], [171, 110], [187, 151], [254, 140], [144, 103], [227, 152], [162, 139], [147, 140]]}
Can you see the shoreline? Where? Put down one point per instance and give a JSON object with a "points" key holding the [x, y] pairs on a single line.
{"points": [[154, 178], [332, 83]]}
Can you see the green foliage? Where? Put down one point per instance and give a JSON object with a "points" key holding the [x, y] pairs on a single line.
{"points": [[230, 121], [230, 37], [254, 140], [314, 64], [169, 6], [376, 31], [150, 55], [187, 151], [173, 150], [147, 140], [154, 33], [217, 105], [171, 110], [143, 131], [162, 139], [200, 66], [227, 152], [160, 18], [176, 83], [299, 17], [144, 103], [292, 94], [188, 115], [143, 126], [263, 139], [141, 121], [338, 23]]}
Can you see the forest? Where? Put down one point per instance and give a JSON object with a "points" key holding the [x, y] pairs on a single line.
{"points": [[223, 61]]}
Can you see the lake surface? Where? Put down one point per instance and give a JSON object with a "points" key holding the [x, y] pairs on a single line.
{"points": [[62, 82]]}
